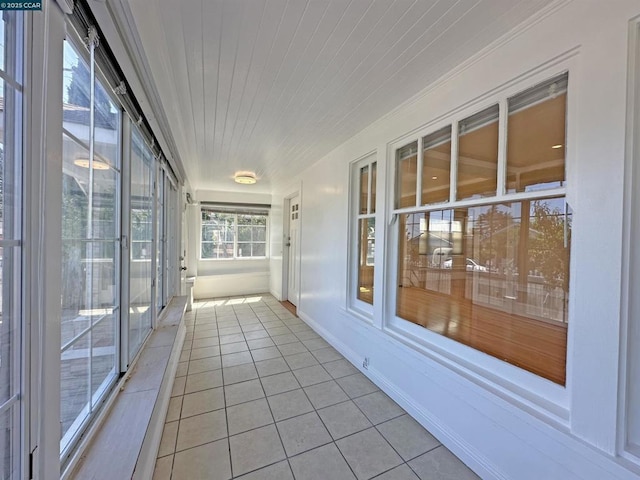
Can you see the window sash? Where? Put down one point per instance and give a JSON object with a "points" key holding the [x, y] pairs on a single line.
{"points": [[225, 242]]}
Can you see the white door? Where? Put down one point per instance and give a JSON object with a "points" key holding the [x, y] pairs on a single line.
{"points": [[293, 289]]}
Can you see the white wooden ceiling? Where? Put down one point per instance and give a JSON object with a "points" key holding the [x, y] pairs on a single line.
{"points": [[271, 86]]}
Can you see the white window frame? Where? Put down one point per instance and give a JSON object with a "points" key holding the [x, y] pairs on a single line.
{"points": [[235, 211], [359, 307], [550, 401]]}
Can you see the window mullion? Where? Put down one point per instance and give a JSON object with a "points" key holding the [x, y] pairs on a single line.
{"points": [[453, 179], [235, 236], [502, 147], [369, 180], [419, 169]]}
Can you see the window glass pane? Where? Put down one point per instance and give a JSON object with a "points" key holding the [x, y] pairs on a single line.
{"points": [[76, 96], [478, 155], [244, 249], [259, 234], [259, 250], [436, 166], [374, 175], [366, 252], [406, 175], [493, 277], [140, 271], [537, 137], [218, 232], [107, 124], [9, 444], [364, 190], [244, 234], [75, 374]]}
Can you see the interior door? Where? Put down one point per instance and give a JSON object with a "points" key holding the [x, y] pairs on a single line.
{"points": [[293, 290]]}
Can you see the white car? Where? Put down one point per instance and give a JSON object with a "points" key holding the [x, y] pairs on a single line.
{"points": [[472, 266]]}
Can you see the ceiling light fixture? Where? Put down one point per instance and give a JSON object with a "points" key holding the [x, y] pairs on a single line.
{"points": [[245, 178], [434, 178], [557, 146], [86, 163]]}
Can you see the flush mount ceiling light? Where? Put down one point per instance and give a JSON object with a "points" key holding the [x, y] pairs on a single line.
{"points": [[245, 178], [85, 163]]}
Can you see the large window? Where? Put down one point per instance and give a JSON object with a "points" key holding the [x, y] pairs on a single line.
{"points": [[483, 257], [11, 57], [90, 244], [364, 177], [233, 234]]}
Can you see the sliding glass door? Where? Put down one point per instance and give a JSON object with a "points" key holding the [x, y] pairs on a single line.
{"points": [[11, 325], [90, 244]]}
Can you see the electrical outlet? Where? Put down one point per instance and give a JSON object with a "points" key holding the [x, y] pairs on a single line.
{"points": [[365, 363]]}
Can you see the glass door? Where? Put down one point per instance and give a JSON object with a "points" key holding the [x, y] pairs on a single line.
{"points": [[11, 324], [90, 245]]}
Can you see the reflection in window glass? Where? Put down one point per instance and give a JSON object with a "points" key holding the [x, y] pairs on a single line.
{"points": [[76, 95], [436, 167], [536, 137], [366, 249], [494, 277], [478, 155], [374, 175], [90, 251], [406, 175], [364, 190], [140, 268]]}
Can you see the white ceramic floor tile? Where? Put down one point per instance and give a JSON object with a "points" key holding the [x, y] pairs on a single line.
{"points": [[440, 463], [343, 419], [408, 437], [249, 415], [206, 462], [322, 463], [302, 433], [255, 449], [202, 402], [201, 429], [368, 454]]}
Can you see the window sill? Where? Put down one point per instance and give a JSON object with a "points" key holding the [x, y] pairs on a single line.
{"points": [[131, 426]]}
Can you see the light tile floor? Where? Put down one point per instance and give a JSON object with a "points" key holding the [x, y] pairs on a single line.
{"points": [[259, 395]]}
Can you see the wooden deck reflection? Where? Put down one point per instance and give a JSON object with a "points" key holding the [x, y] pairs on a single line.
{"points": [[537, 346]]}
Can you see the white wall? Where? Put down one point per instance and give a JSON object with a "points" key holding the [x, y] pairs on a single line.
{"points": [[222, 278], [504, 422]]}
